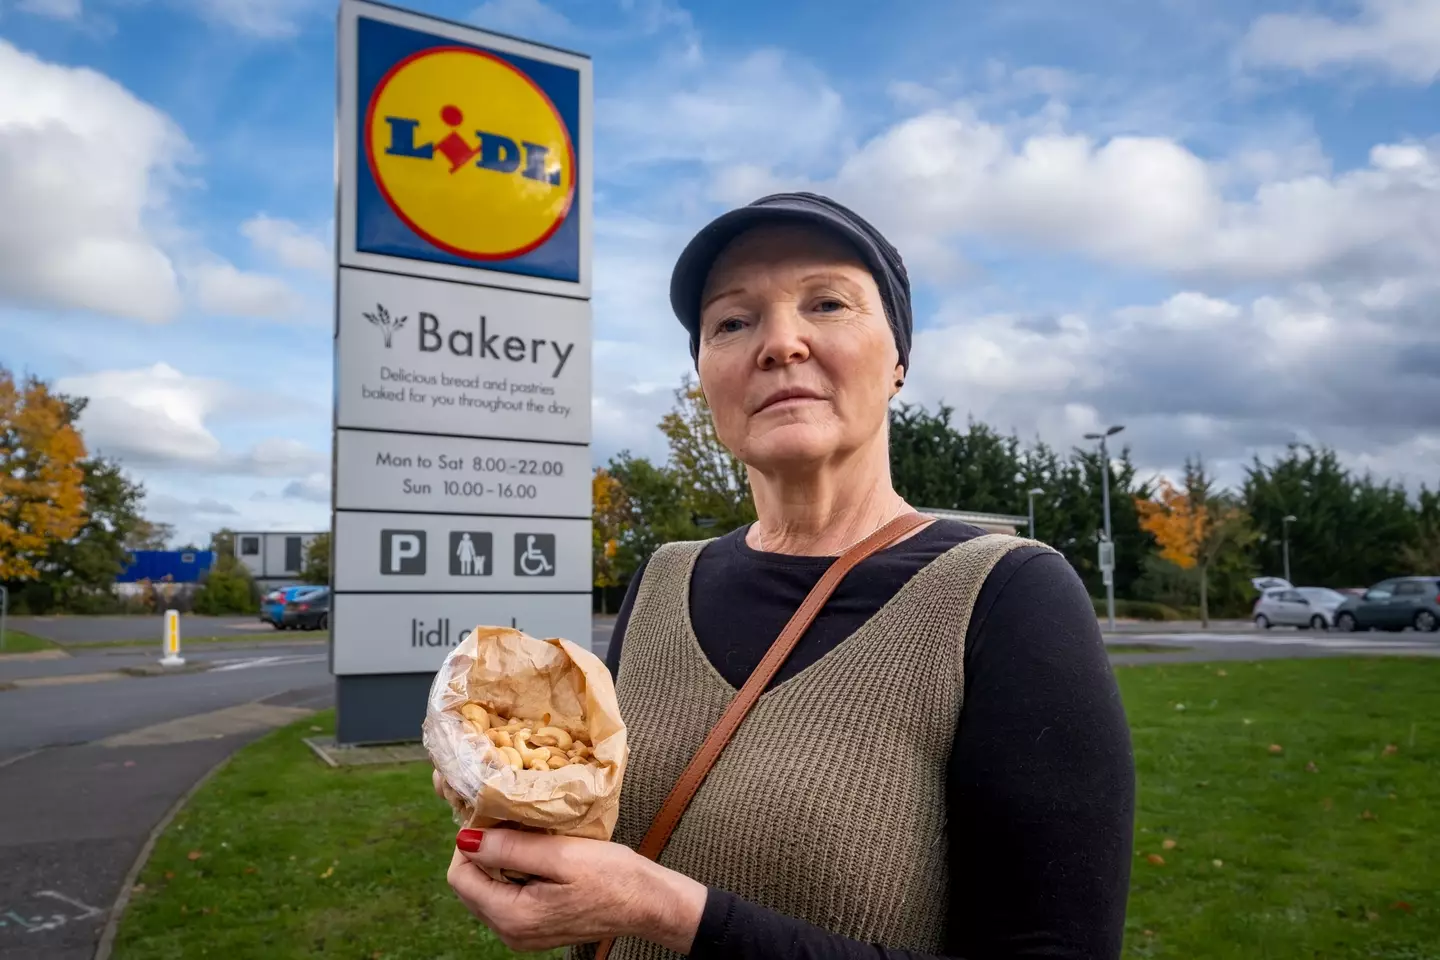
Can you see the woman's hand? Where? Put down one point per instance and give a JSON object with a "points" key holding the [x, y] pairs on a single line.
{"points": [[590, 889]]}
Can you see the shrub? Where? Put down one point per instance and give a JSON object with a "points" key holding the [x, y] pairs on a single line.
{"points": [[228, 588], [1140, 610]]}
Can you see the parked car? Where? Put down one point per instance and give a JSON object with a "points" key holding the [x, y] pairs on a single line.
{"points": [[307, 611], [1393, 605], [272, 605], [1304, 607]]}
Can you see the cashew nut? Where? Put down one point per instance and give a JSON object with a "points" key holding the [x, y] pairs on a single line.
{"points": [[476, 714], [556, 762], [500, 738], [557, 737], [512, 758]]}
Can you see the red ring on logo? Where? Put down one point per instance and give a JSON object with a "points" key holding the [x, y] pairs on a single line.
{"points": [[395, 207]]}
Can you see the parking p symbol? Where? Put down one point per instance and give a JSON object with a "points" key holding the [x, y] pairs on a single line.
{"points": [[402, 553]]}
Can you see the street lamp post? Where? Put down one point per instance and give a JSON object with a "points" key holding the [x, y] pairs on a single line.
{"points": [[1032, 494], [1285, 536], [1105, 500]]}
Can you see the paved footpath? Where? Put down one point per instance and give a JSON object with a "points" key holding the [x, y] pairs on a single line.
{"points": [[87, 770]]}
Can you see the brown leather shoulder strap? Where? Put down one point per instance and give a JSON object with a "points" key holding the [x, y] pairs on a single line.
{"points": [[684, 790]]}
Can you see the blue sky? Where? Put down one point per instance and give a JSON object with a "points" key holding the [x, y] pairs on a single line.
{"points": [[1215, 222]]}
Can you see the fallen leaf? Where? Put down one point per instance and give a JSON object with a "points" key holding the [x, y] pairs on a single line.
{"points": [[1371, 915], [138, 888], [249, 869], [1367, 815], [1393, 797], [1168, 844], [1327, 803], [194, 855], [169, 874], [292, 856], [1202, 783], [1311, 768], [1402, 905], [1156, 859], [1149, 933], [1179, 706], [315, 729], [205, 911], [1247, 721], [327, 873], [1276, 748], [1218, 863], [1221, 673], [1389, 750]]}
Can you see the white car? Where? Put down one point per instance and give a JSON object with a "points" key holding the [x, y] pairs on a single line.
{"points": [[1312, 607]]}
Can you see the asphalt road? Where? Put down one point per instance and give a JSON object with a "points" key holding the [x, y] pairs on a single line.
{"points": [[82, 630]]}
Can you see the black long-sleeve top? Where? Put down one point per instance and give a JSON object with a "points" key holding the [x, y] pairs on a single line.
{"points": [[1041, 776]]}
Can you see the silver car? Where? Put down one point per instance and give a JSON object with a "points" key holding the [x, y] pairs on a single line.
{"points": [[1312, 607]]}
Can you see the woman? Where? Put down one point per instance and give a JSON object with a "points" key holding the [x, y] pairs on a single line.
{"points": [[942, 766]]}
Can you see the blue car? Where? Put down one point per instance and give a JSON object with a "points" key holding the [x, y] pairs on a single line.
{"points": [[272, 605]]}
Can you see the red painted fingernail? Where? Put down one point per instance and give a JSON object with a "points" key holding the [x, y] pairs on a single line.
{"points": [[469, 840]]}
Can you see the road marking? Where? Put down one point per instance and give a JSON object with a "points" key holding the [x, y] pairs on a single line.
{"points": [[277, 661]]}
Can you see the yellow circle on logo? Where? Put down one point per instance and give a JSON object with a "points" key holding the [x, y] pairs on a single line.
{"points": [[470, 153]]}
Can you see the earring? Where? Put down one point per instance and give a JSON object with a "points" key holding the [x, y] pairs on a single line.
{"points": [[899, 383]]}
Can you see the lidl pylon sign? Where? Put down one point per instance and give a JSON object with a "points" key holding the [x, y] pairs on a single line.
{"points": [[462, 353], [470, 152]]}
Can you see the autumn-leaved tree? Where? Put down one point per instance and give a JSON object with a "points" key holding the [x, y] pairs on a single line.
{"points": [[42, 498], [715, 483], [1193, 524], [608, 526]]}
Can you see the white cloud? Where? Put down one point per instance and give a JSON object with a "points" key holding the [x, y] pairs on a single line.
{"points": [[222, 289], [160, 417], [1145, 201], [522, 18], [722, 114], [1199, 374], [266, 19], [288, 243], [83, 169], [313, 489], [175, 509], [1401, 37], [54, 9]]}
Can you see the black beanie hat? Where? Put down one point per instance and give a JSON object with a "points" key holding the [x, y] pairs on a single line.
{"points": [[687, 282]]}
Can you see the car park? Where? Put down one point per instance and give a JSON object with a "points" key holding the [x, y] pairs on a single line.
{"points": [[1304, 607], [1393, 605], [272, 606]]}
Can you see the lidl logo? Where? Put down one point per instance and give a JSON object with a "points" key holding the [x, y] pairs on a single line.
{"points": [[470, 159]]}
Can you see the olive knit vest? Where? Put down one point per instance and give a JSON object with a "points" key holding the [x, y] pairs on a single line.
{"points": [[829, 803]]}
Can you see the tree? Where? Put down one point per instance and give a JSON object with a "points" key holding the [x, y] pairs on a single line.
{"points": [[1348, 531], [222, 543], [228, 588], [654, 511], [715, 485], [317, 561], [42, 495], [1194, 524], [149, 535], [934, 464], [79, 572], [609, 514]]}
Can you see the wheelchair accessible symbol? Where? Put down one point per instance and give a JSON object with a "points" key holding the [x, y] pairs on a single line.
{"points": [[534, 554]]}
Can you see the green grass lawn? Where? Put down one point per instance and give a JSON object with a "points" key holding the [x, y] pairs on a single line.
{"points": [[17, 642], [281, 856]]}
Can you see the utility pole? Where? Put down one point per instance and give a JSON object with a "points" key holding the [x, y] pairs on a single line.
{"points": [[1107, 548], [1032, 494], [1285, 536]]}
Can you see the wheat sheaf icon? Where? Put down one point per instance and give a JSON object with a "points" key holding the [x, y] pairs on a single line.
{"points": [[387, 324]]}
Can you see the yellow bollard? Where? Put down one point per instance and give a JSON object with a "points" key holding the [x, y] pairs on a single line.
{"points": [[171, 640]]}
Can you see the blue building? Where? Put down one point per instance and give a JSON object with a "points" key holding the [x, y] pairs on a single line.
{"points": [[187, 566]]}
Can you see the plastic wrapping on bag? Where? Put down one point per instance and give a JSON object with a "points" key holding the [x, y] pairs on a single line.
{"points": [[515, 675]]}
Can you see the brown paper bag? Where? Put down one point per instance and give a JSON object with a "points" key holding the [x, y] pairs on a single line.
{"points": [[521, 676]]}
